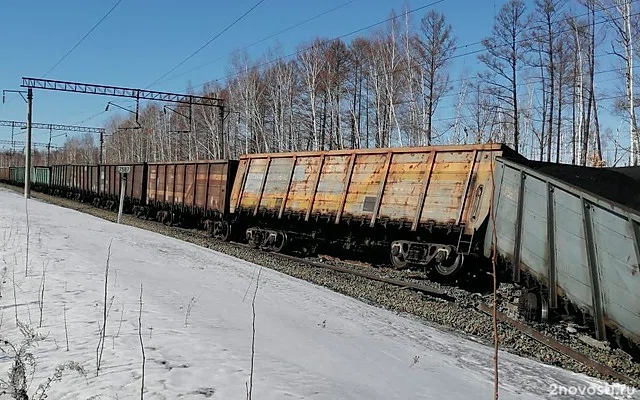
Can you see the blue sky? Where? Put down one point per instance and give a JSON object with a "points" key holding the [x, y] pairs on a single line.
{"points": [[142, 39]]}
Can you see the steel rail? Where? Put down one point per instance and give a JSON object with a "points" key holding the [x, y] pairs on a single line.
{"points": [[559, 347]]}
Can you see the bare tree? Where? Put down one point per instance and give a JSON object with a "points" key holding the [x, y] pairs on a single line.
{"points": [[503, 57], [622, 47], [437, 46]]}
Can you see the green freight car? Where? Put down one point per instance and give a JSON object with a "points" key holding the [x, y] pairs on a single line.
{"points": [[40, 176]]}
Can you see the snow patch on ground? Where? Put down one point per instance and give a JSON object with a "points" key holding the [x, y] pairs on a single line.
{"points": [[310, 342]]}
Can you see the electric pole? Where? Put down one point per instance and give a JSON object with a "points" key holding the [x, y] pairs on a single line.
{"points": [[27, 147]]}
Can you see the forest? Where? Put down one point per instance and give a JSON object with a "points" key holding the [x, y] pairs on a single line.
{"points": [[547, 73]]}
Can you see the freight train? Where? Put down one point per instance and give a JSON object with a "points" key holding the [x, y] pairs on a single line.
{"points": [[568, 236]]}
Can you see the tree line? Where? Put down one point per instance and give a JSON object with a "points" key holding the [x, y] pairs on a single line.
{"points": [[535, 89]]}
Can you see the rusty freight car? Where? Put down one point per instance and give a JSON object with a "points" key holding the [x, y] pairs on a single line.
{"points": [[4, 174], [421, 205], [74, 181], [110, 180], [190, 193]]}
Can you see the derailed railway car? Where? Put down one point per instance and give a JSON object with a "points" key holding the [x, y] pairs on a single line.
{"points": [[422, 206], [570, 236], [190, 193]]}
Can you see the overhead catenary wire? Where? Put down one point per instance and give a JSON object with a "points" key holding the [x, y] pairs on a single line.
{"points": [[404, 14], [208, 42], [83, 38], [306, 21], [327, 41]]}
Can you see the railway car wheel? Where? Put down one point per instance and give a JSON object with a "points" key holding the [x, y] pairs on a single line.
{"points": [[226, 232], [397, 255], [398, 262], [450, 270], [279, 242]]}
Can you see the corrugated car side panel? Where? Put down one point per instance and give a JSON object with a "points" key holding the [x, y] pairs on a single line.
{"points": [[178, 195], [253, 183], [201, 185], [190, 184], [571, 253], [405, 180], [217, 187], [170, 183], [95, 170], [302, 184], [534, 253], [275, 186], [618, 268], [506, 196], [238, 184], [445, 192], [330, 185], [137, 182], [161, 183], [152, 177], [367, 175]]}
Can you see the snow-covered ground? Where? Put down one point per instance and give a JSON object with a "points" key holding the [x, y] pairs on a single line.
{"points": [[309, 342]]}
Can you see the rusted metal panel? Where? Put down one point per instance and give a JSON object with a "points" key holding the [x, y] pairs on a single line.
{"points": [[238, 184], [330, 185], [316, 183], [178, 193], [302, 184], [405, 186], [373, 184], [183, 184], [253, 183], [352, 161], [189, 184], [364, 191], [491, 147], [425, 178], [381, 190], [288, 188], [467, 185], [217, 187], [201, 185], [263, 182], [446, 190]]}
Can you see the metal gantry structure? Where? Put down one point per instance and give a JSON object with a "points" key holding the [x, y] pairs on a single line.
{"points": [[55, 127], [115, 91]]}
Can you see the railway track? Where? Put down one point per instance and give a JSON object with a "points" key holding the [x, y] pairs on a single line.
{"points": [[481, 307], [450, 308]]}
